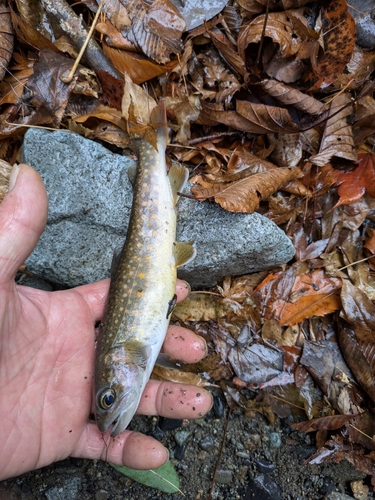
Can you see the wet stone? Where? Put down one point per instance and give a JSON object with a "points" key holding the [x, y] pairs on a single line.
{"points": [[224, 476], [263, 487], [275, 439], [218, 407], [158, 434], [264, 466], [207, 443], [169, 424], [181, 436], [179, 451]]}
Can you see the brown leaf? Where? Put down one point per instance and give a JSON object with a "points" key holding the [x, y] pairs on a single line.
{"points": [[277, 26], [337, 137], [290, 96], [155, 28], [360, 357], [359, 311], [245, 195], [30, 35], [138, 67], [228, 52], [50, 93], [330, 423], [270, 118], [339, 36], [6, 39]]}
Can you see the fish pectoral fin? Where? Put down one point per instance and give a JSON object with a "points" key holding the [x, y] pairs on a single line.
{"points": [[132, 174], [138, 352], [178, 176], [183, 252], [167, 361]]}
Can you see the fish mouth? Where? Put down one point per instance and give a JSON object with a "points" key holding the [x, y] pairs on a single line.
{"points": [[120, 416]]}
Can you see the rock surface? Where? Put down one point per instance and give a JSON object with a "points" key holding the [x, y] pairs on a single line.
{"points": [[90, 199]]}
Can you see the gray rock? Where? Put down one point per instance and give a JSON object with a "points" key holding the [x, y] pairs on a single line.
{"points": [[90, 199], [339, 496], [69, 490], [207, 443], [181, 436], [363, 12], [224, 476]]}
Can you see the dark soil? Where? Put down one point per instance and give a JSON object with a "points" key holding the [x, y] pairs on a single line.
{"points": [[259, 462]]}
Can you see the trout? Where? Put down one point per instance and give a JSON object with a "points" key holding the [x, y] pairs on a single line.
{"points": [[142, 290]]}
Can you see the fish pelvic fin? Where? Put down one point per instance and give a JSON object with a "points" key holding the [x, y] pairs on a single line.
{"points": [[183, 252], [178, 176]]}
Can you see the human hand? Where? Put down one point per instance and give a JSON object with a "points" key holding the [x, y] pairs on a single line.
{"points": [[47, 358]]}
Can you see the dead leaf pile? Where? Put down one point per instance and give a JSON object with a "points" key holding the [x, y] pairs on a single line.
{"points": [[271, 104]]}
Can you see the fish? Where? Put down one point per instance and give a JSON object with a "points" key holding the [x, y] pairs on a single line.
{"points": [[142, 289]]}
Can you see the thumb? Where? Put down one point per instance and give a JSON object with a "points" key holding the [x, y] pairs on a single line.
{"points": [[23, 216]]}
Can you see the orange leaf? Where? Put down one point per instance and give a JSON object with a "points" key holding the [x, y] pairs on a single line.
{"points": [[339, 36], [292, 297], [353, 185]]}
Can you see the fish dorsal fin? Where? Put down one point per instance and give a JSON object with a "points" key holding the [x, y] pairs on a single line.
{"points": [[132, 174], [183, 252], [138, 352], [178, 176]]}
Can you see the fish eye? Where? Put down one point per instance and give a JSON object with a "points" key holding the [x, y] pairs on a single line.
{"points": [[107, 398]]}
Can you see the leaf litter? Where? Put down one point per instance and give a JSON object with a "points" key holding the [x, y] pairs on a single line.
{"points": [[271, 105]]}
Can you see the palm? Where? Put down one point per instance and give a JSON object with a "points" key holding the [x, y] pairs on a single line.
{"points": [[47, 371], [47, 349]]}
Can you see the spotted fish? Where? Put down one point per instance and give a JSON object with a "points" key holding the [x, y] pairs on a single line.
{"points": [[142, 290]]}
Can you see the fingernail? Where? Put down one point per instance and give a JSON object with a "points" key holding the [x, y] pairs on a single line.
{"points": [[187, 286], [204, 347], [167, 453], [13, 177]]}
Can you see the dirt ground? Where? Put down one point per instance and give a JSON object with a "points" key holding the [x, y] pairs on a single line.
{"points": [[259, 462]]}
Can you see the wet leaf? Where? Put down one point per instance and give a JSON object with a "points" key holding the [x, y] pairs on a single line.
{"points": [[178, 377], [337, 137], [330, 423], [339, 36], [353, 185], [163, 478], [359, 311], [6, 38], [245, 195], [292, 298], [277, 26], [360, 356]]}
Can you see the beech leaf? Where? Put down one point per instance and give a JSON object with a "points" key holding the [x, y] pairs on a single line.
{"points": [[245, 195], [330, 423]]}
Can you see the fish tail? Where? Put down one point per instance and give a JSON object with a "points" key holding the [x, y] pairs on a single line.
{"points": [[158, 121]]}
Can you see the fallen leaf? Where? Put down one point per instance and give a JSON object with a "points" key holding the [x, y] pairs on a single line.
{"points": [[293, 297], [245, 195], [163, 478], [339, 37], [353, 185], [359, 311], [337, 137], [330, 423]]}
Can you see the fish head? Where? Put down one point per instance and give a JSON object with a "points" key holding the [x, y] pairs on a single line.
{"points": [[119, 383]]}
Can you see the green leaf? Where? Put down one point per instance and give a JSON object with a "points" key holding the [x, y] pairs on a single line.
{"points": [[164, 478]]}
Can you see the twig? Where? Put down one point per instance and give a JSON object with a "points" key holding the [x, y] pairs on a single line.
{"points": [[69, 78], [220, 455], [75, 29]]}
